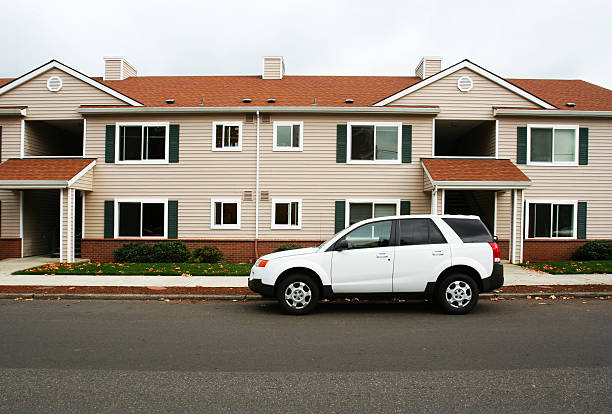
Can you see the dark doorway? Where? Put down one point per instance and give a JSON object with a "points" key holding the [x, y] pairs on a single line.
{"points": [[472, 202]]}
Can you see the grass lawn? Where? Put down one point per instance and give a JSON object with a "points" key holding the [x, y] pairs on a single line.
{"points": [[572, 267], [148, 269]]}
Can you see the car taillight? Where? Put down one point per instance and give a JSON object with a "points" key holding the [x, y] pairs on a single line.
{"points": [[496, 255]]}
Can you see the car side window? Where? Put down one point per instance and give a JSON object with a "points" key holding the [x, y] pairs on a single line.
{"points": [[419, 231], [377, 234]]}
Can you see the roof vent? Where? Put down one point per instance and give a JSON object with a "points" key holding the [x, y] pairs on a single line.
{"points": [[571, 104], [349, 100], [273, 67], [315, 101], [271, 100], [465, 84], [169, 101], [246, 100], [202, 101], [54, 83], [117, 68]]}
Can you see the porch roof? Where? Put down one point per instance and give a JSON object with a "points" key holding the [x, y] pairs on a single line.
{"points": [[43, 173], [474, 174]]}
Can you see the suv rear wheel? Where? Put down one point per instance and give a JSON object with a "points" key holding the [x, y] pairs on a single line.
{"points": [[298, 294], [457, 294]]}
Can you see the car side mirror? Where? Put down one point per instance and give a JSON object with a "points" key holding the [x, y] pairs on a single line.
{"points": [[341, 245]]}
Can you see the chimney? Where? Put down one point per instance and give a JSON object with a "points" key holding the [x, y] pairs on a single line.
{"points": [[429, 65], [273, 67], [117, 68]]}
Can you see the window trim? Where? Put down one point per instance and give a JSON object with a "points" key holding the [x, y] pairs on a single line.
{"points": [[142, 124], [575, 128], [530, 201], [163, 201], [226, 123], [349, 139], [275, 147], [289, 226], [224, 200], [349, 201]]}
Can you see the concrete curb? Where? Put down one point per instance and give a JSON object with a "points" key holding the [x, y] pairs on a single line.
{"points": [[129, 296]]}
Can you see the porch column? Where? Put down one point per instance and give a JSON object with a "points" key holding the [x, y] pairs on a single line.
{"points": [[513, 233], [434, 201], [67, 225]]}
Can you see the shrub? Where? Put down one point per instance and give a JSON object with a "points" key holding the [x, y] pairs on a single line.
{"points": [[163, 252], [594, 250], [287, 246], [207, 254]]}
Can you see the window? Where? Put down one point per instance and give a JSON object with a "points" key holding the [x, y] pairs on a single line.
{"points": [[377, 234], [419, 231], [288, 135], [551, 219], [142, 142], [470, 230], [374, 142], [366, 209], [286, 213], [227, 136], [141, 218], [552, 144], [225, 213]]}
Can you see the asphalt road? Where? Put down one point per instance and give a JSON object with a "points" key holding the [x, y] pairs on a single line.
{"points": [[101, 356]]}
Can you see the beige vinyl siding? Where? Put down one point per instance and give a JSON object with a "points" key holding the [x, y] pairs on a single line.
{"points": [[36, 142], [43, 104], [11, 138], [112, 69], [491, 143], [504, 214], [10, 206], [591, 183], [85, 183], [432, 67], [475, 104], [40, 221]]}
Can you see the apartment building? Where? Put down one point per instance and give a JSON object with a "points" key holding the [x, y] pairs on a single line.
{"points": [[249, 162]]}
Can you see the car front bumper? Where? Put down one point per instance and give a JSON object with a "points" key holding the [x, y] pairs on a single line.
{"points": [[496, 280], [256, 285]]}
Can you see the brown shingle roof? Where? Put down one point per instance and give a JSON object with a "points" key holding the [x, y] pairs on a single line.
{"points": [[586, 96], [444, 169], [42, 169]]}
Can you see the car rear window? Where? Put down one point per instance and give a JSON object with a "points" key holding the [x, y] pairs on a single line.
{"points": [[470, 230]]}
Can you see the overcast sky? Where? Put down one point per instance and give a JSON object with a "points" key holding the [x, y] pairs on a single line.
{"points": [[541, 39]]}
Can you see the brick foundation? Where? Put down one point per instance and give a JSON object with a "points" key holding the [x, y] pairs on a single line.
{"points": [[10, 248], [550, 250], [504, 249], [236, 251]]}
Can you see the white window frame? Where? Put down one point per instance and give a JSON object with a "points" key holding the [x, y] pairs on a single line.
{"points": [[374, 201], [225, 200], [528, 202], [163, 201], [276, 201], [553, 127], [276, 124], [349, 139], [143, 125], [226, 123]]}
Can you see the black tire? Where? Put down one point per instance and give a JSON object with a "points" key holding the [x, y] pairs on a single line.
{"points": [[298, 294], [456, 294]]}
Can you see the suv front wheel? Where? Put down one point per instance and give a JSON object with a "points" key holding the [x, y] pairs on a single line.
{"points": [[457, 294], [298, 294]]}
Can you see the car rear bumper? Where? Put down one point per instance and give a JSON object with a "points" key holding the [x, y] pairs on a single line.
{"points": [[496, 280], [264, 290]]}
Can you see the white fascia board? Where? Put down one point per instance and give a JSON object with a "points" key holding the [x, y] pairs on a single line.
{"points": [[553, 112], [54, 64], [482, 185], [475, 68], [243, 109], [32, 184], [13, 111], [82, 173]]}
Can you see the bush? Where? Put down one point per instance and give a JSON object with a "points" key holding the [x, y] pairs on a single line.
{"points": [[207, 254], [594, 250], [163, 252], [287, 246]]}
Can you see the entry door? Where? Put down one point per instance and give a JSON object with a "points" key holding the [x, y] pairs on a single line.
{"points": [[365, 265]]}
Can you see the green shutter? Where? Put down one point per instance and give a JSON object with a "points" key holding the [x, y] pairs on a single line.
{"points": [[406, 144], [173, 152], [521, 145], [0, 143], [110, 144], [404, 208], [340, 216], [582, 220], [109, 219], [341, 144], [583, 146], [172, 219]]}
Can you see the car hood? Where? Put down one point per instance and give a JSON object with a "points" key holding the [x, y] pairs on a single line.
{"points": [[287, 253]]}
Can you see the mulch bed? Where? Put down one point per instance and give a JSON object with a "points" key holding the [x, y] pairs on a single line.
{"points": [[555, 288]]}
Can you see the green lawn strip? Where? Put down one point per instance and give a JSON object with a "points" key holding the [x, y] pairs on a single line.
{"points": [[142, 269], [572, 267]]}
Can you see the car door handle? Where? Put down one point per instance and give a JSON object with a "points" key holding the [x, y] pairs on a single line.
{"points": [[382, 255], [437, 253]]}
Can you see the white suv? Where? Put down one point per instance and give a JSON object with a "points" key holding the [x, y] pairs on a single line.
{"points": [[449, 259]]}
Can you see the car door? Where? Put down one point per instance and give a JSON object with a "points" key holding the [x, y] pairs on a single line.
{"points": [[420, 255], [362, 261]]}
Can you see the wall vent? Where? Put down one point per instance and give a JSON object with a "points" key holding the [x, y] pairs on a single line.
{"points": [[265, 118], [54, 83], [465, 84], [249, 118], [264, 196], [247, 196]]}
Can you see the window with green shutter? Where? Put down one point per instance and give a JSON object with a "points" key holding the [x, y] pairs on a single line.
{"points": [[173, 219], [583, 146], [173, 146], [109, 219], [582, 220], [341, 143], [109, 152], [521, 145], [339, 216], [406, 144]]}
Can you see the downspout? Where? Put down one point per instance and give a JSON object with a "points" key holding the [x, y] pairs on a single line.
{"points": [[257, 191]]}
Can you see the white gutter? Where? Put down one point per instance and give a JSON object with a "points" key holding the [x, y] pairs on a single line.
{"points": [[481, 185], [32, 184], [13, 111], [243, 109], [551, 112], [257, 184]]}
